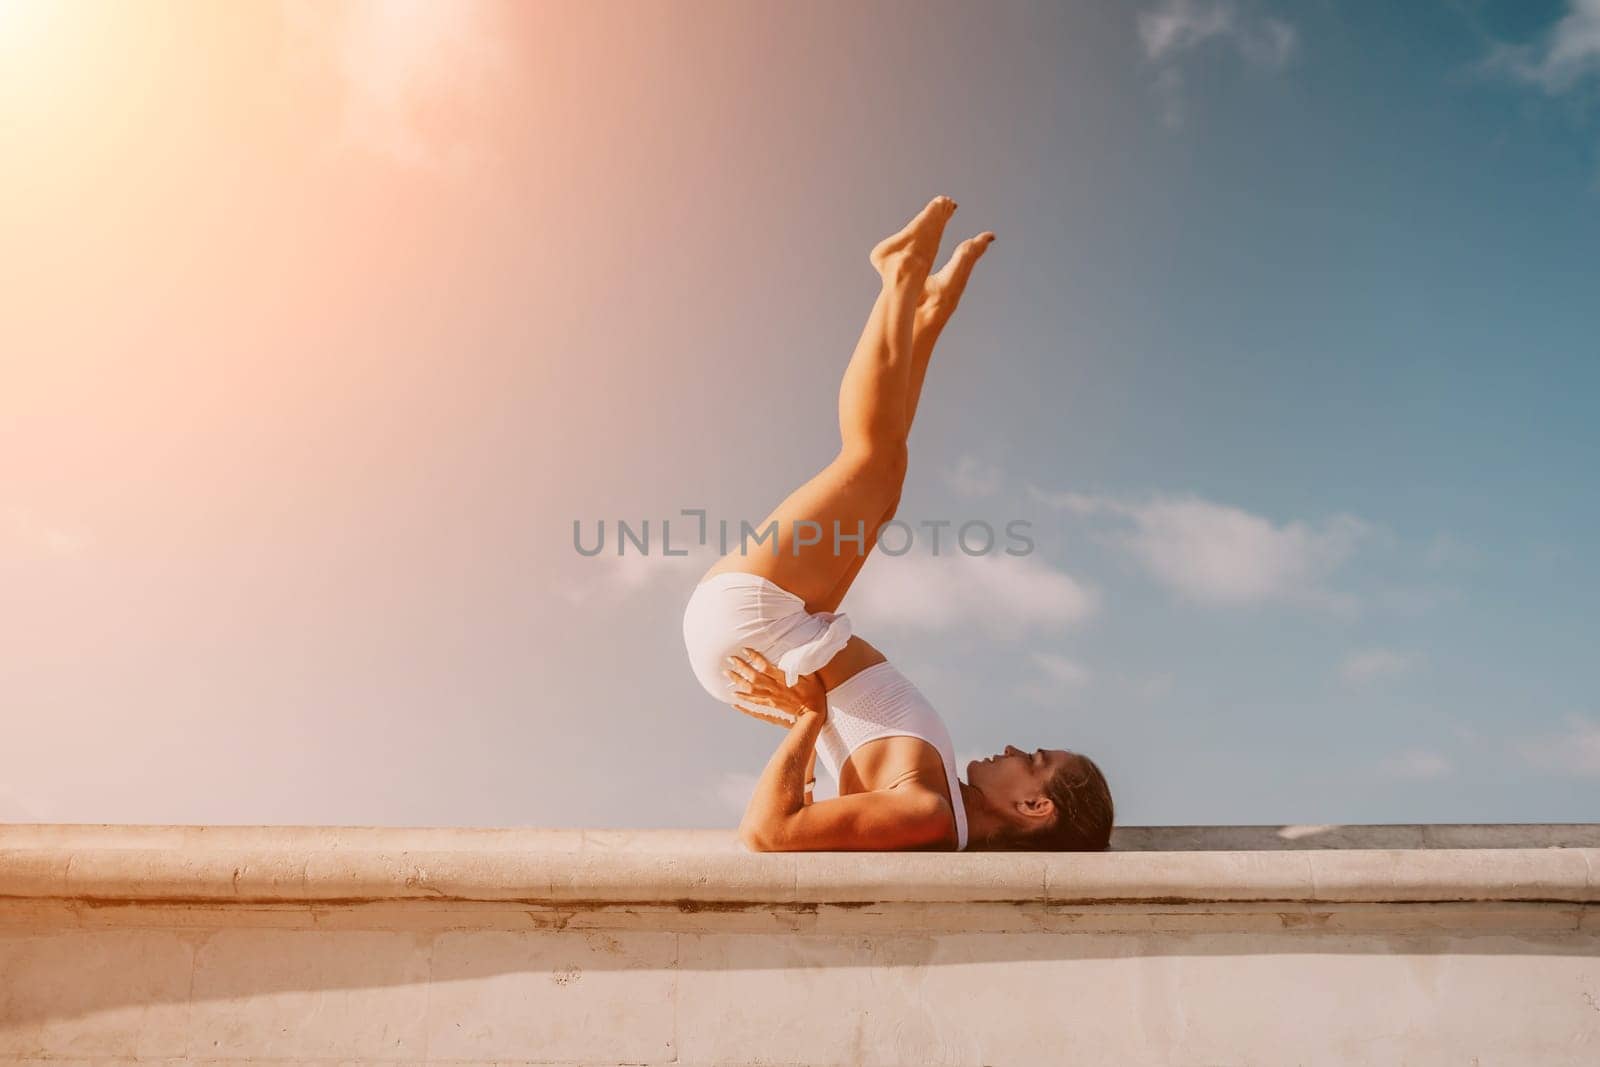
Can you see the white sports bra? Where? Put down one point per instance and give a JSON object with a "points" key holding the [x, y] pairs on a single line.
{"points": [[882, 702]]}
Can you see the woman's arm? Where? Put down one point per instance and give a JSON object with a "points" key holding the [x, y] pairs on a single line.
{"points": [[783, 720], [778, 819], [884, 820], [756, 681], [779, 795]]}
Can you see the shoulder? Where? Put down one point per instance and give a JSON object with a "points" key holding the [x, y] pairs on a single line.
{"points": [[927, 813]]}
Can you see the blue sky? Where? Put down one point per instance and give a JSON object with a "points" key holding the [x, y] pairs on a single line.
{"points": [[1286, 347]]}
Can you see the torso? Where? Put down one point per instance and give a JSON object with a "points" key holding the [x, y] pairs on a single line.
{"points": [[899, 762]]}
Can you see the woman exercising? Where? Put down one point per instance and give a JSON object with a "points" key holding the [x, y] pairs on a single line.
{"points": [[764, 632]]}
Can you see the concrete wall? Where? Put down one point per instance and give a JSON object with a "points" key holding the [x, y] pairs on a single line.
{"points": [[1185, 945]]}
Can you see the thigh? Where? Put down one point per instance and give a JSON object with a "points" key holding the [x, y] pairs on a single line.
{"points": [[849, 495], [836, 596]]}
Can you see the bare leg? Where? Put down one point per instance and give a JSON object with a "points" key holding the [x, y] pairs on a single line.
{"points": [[941, 294], [850, 494]]}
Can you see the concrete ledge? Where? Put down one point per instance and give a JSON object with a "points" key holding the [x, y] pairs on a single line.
{"points": [[1254, 946], [306, 865]]}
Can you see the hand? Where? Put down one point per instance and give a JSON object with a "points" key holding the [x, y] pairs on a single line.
{"points": [[757, 681]]}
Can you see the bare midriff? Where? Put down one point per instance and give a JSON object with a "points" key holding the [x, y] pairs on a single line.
{"points": [[855, 657]]}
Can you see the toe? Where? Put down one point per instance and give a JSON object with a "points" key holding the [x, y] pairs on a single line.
{"points": [[954, 273], [970, 250]]}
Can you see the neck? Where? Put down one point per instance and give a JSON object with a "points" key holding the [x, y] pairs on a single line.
{"points": [[983, 822]]}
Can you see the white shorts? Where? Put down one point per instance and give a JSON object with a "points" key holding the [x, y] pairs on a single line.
{"points": [[734, 610]]}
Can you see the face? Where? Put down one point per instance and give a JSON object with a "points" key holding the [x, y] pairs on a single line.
{"points": [[1015, 777]]}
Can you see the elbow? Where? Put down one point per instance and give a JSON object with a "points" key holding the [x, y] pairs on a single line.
{"points": [[755, 838], [749, 837]]}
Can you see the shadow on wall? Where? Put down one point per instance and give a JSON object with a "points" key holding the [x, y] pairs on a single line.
{"points": [[125, 983]]}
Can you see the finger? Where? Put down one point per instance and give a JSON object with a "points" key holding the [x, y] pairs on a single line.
{"points": [[736, 683], [770, 720], [758, 696], [758, 661], [773, 717], [740, 667]]}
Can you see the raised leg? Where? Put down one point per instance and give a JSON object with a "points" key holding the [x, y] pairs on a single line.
{"points": [[850, 494], [941, 293]]}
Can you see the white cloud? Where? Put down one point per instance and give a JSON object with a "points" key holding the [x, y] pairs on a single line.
{"points": [[1058, 676], [1179, 24], [974, 478], [1175, 27], [608, 578], [1372, 664], [1416, 765], [415, 76], [1003, 595], [1217, 554], [1572, 751], [1570, 53]]}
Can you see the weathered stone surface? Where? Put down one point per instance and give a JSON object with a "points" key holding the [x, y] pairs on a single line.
{"points": [[309, 994], [120, 994], [1242, 945], [346, 866], [511, 996]]}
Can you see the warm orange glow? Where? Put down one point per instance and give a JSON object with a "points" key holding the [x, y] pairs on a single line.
{"points": [[22, 22], [34, 53]]}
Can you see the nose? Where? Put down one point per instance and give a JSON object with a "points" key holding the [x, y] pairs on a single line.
{"points": [[1013, 750]]}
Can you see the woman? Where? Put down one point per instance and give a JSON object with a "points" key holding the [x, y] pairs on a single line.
{"points": [[764, 632]]}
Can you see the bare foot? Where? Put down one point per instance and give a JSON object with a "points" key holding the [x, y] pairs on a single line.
{"points": [[912, 250], [942, 291]]}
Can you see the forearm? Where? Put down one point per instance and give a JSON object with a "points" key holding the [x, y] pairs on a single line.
{"points": [[781, 791]]}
